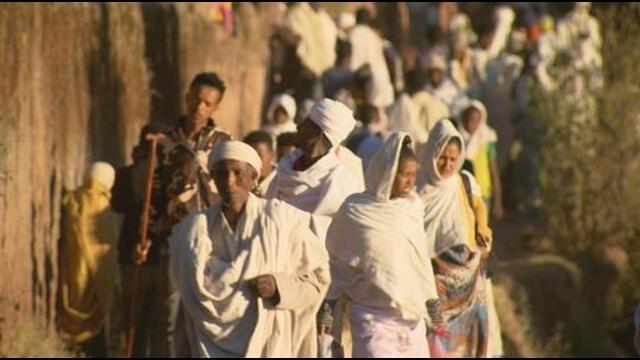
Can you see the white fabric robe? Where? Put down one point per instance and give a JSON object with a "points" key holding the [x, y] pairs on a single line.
{"points": [[320, 190], [211, 265], [368, 48], [444, 203], [377, 245]]}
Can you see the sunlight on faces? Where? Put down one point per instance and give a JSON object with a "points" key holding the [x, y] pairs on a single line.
{"points": [[266, 155], [405, 179], [309, 134], [471, 120], [448, 160], [234, 180], [202, 101], [280, 116]]}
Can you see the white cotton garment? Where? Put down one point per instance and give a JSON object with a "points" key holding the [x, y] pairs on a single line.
{"points": [[288, 103], [368, 48], [319, 190], [334, 118], [378, 247], [444, 222], [211, 265], [236, 150]]}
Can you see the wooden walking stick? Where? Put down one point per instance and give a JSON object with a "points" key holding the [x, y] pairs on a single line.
{"points": [[144, 224]]}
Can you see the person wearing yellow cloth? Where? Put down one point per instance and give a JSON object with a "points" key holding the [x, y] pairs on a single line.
{"points": [[88, 263], [480, 142], [459, 241]]}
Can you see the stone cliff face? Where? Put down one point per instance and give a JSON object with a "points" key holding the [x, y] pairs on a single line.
{"points": [[78, 83]]}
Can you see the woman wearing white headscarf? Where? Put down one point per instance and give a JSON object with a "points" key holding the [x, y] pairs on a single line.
{"points": [[379, 257], [480, 141], [281, 115], [455, 218]]}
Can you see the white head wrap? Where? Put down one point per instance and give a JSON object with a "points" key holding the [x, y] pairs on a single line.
{"points": [[334, 118], [436, 61], [236, 150], [103, 173], [345, 21], [287, 103], [444, 221]]}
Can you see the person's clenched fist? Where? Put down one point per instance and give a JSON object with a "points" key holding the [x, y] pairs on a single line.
{"points": [[264, 286]]}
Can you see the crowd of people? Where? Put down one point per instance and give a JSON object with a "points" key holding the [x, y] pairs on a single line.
{"points": [[356, 222]]}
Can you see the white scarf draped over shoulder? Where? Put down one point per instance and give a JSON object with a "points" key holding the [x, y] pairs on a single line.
{"points": [[319, 190], [446, 205], [377, 245], [222, 317]]}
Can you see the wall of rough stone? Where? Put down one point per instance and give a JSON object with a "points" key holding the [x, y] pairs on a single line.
{"points": [[78, 82]]}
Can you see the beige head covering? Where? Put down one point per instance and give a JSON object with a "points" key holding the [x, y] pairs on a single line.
{"points": [[287, 103], [236, 150], [334, 118], [103, 173], [443, 214], [382, 169], [436, 61]]}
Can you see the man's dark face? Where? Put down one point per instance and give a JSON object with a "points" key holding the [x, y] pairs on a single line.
{"points": [[202, 102], [471, 120], [436, 76], [486, 39], [235, 180], [309, 134]]}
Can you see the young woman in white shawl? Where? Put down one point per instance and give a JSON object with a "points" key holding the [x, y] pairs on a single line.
{"points": [[280, 115], [462, 241], [250, 272], [379, 257]]}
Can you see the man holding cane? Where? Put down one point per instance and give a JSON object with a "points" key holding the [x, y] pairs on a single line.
{"points": [[182, 183]]}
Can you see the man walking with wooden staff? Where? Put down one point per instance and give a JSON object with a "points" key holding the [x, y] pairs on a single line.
{"points": [[181, 184]]}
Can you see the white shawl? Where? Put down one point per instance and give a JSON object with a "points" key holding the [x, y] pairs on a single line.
{"points": [[377, 246], [220, 311], [320, 190], [444, 202], [314, 51], [429, 109], [403, 116], [484, 135], [289, 106], [368, 48]]}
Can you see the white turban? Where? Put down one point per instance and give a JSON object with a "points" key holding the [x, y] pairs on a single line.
{"points": [[103, 173], [334, 118], [287, 103], [346, 21], [236, 150], [436, 61]]}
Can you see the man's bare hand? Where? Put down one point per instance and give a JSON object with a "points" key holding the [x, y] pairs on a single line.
{"points": [[140, 253]]}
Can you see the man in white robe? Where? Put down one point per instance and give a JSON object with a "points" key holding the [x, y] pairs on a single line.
{"points": [[250, 272], [314, 178], [368, 48]]}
